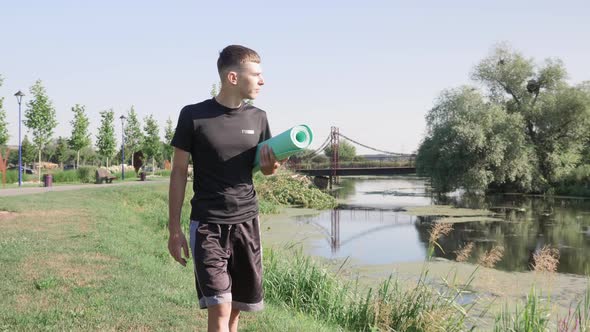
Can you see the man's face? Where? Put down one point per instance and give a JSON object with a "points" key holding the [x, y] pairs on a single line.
{"points": [[250, 80]]}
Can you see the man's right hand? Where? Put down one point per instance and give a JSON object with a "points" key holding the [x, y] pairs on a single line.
{"points": [[176, 245]]}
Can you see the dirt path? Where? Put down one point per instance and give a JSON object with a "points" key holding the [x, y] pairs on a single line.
{"points": [[39, 190]]}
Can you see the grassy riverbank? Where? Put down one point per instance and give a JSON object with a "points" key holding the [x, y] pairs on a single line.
{"points": [[96, 259]]}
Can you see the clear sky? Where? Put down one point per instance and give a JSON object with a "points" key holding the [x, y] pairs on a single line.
{"points": [[372, 68]]}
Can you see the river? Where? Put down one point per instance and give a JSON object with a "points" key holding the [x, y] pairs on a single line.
{"points": [[373, 225]]}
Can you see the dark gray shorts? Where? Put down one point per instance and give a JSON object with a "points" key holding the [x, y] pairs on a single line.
{"points": [[228, 264]]}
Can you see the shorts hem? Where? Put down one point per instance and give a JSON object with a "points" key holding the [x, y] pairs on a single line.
{"points": [[249, 307], [209, 301]]}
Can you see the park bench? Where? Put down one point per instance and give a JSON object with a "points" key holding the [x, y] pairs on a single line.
{"points": [[103, 174]]}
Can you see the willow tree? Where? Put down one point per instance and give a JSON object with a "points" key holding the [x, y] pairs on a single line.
{"points": [[523, 127]]}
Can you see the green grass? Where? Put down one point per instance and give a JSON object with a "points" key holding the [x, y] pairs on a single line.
{"points": [[305, 286], [578, 318], [12, 177], [533, 316], [96, 259]]}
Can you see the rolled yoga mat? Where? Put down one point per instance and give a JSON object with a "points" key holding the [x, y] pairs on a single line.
{"points": [[286, 143]]}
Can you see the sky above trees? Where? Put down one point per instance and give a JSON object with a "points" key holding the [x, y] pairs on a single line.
{"points": [[372, 68]]}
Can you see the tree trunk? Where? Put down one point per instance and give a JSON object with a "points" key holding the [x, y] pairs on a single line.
{"points": [[153, 165], [39, 166], [78, 159], [107, 162]]}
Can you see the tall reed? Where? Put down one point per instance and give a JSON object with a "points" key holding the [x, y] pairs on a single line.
{"points": [[302, 284]]}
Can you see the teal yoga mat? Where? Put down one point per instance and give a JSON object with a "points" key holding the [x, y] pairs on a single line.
{"points": [[286, 143]]}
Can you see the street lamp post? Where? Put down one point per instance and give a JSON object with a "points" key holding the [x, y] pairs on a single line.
{"points": [[19, 97], [122, 146]]}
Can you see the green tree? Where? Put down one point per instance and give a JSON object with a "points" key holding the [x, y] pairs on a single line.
{"points": [[105, 140], [472, 143], [556, 115], [49, 151], [28, 151], [62, 151], [80, 135], [133, 134], [3, 124], [215, 89], [151, 144], [527, 100], [40, 118], [346, 151], [168, 135], [89, 156]]}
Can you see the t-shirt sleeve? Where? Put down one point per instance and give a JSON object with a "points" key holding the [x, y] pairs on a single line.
{"points": [[183, 135], [265, 132]]}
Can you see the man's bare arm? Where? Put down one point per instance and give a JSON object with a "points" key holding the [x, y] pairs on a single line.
{"points": [[177, 241]]}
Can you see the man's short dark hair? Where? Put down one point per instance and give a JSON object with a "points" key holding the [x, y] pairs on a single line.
{"points": [[235, 55]]}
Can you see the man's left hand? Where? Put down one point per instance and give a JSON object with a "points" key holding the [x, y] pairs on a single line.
{"points": [[268, 162]]}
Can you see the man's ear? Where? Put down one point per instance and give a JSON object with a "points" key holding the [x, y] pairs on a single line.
{"points": [[232, 77]]}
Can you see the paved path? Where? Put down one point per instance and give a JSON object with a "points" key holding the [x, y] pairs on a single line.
{"points": [[39, 190]]}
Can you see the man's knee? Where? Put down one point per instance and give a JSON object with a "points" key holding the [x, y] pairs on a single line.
{"points": [[222, 310], [235, 314]]}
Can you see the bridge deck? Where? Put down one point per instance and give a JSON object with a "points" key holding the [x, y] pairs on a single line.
{"points": [[359, 171]]}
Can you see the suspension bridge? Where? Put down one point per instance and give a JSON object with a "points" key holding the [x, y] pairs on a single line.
{"points": [[337, 168]]}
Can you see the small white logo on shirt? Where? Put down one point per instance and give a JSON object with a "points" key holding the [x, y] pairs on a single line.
{"points": [[248, 131]]}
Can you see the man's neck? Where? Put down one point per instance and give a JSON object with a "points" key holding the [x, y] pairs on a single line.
{"points": [[228, 100]]}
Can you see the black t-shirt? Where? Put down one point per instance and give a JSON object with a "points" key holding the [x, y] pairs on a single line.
{"points": [[222, 142]]}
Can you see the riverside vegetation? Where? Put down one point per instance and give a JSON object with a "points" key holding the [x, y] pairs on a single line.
{"points": [[522, 128], [95, 259]]}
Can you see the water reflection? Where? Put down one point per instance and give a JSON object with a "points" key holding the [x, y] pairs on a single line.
{"points": [[367, 235], [372, 228]]}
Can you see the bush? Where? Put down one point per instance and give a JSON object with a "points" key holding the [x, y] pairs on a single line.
{"points": [[86, 174], [12, 177], [128, 175], [284, 189], [576, 183], [69, 176], [164, 172]]}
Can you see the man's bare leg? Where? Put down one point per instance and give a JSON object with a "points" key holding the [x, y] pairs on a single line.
{"points": [[218, 317], [233, 320]]}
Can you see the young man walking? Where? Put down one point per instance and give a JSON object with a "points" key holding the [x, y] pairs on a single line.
{"points": [[221, 135]]}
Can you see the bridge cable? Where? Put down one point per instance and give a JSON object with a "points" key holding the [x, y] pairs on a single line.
{"points": [[374, 149], [318, 150]]}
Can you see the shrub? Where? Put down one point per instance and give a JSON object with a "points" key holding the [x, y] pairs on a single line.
{"points": [[86, 174], [286, 189], [163, 172], [576, 183], [12, 177], [68, 176]]}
